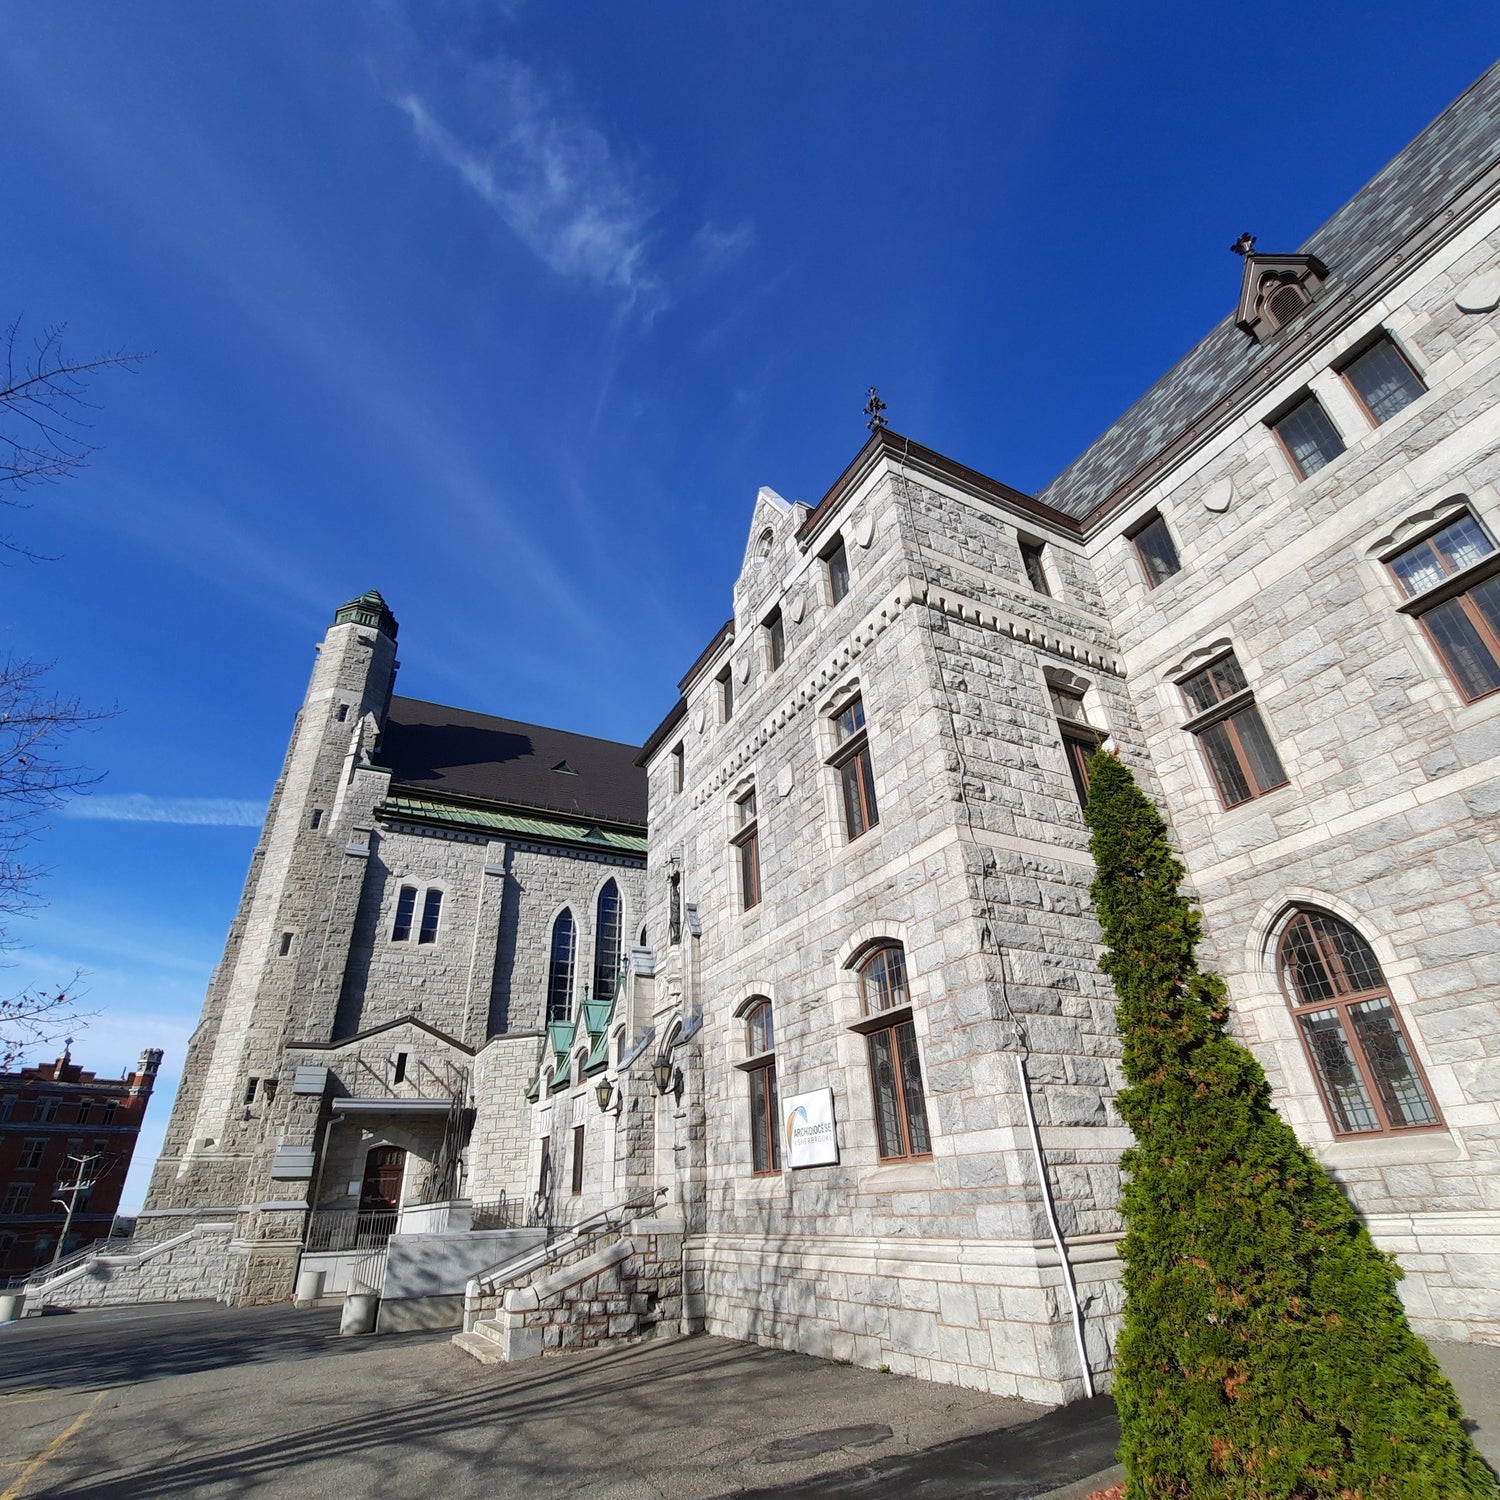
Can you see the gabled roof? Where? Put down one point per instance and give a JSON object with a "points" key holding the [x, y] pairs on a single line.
{"points": [[1460, 146], [363, 1036], [436, 750]]}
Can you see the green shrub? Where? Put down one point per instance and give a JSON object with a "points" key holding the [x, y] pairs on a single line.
{"points": [[1264, 1354]]}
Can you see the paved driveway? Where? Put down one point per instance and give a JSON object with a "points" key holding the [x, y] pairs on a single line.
{"points": [[196, 1399]]}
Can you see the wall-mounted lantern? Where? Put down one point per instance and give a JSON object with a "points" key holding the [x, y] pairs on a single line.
{"points": [[603, 1092]]}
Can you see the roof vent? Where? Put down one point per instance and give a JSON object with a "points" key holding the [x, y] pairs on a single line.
{"points": [[565, 768]]}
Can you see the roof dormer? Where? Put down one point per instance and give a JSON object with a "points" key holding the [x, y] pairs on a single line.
{"points": [[1274, 288]]}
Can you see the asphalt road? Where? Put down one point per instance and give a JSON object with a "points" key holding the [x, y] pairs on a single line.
{"points": [[197, 1399]]}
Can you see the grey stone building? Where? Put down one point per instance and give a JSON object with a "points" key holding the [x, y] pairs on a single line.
{"points": [[384, 985], [857, 1048]]}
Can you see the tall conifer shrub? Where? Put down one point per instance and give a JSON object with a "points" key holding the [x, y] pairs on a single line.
{"points": [[1265, 1354]]}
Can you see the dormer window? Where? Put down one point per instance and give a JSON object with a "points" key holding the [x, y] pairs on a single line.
{"points": [[1275, 289]]}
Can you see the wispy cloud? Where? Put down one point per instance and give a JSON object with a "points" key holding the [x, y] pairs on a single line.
{"points": [[717, 247], [552, 176], [139, 807]]}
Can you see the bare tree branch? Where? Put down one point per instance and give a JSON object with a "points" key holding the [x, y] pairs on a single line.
{"points": [[35, 1018], [45, 413]]}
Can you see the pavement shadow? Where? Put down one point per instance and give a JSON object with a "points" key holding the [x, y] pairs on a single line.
{"points": [[1011, 1463]]}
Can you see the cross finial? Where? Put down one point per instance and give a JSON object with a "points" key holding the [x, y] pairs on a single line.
{"points": [[873, 409], [1245, 245]]}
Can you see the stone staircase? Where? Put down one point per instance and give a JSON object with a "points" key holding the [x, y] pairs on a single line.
{"points": [[577, 1291]]}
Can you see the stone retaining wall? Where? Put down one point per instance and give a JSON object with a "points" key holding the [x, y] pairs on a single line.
{"points": [[202, 1265]]}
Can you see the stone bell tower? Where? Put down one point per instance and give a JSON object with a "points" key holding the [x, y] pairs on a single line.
{"points": [[284, 958]]}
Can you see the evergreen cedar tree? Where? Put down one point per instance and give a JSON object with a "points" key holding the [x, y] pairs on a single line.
{"points": [[1264, 1354]]}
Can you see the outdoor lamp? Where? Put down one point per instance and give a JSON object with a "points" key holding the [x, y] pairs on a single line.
{"points": [[602, 1092], [662, 1073]]}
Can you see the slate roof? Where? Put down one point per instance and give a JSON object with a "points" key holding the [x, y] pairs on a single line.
{"points": [[436, 750], [1460, 145]]}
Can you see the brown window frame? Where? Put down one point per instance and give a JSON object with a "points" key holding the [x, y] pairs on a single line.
{"points": [[888, 1023], [760, 1066], [856, 771], [836, 570], [576, 1164], [1456, 586], [746, 839], [1383, 339], [1307, 398], [1033, 564], [1144, 558], [774, 626], [1233, 706], [1344, 1001]]}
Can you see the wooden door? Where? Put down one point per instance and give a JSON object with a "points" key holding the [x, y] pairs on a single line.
{"points": [[380, 1193]]}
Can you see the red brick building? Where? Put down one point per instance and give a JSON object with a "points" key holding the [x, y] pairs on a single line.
{"points": [[49, 1114]]}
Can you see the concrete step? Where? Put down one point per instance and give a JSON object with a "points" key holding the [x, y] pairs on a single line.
{"points": [[485, 1350]]}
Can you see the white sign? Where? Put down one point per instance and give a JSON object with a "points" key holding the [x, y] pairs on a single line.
{"points": [[808, 1137]]}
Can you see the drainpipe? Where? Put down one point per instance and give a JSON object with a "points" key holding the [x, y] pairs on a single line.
{"points": [[1052, 1224], [312, 1206]]}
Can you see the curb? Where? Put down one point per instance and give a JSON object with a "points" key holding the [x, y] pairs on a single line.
{"points": [[1083, 1488]]}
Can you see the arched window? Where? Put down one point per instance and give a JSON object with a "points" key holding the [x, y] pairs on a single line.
{"points": [[560, 971], [765, 1110], [607, 942], [1370, 1080], [895, 1069]]}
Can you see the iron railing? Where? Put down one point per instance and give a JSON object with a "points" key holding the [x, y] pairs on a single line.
{"points": [[341, 1229], [501, 1213]]}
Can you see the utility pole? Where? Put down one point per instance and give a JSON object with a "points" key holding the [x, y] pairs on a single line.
{"points": [[71, 1193]]}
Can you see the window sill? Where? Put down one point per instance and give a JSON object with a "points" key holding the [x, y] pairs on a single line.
{"points": [[1401, 1148], [1269, 801], [905, 1174], [760, 1060]]}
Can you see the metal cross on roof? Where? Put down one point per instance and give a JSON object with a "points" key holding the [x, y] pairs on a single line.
{"points": [[873, 409]]}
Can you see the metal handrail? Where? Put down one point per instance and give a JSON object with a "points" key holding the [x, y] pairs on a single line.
{"points": [[579, 1235], [343, 1229], [43, 1274]]}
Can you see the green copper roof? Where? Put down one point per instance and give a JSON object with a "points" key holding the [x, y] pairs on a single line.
{"points": [[527, 825], [369, 609]]}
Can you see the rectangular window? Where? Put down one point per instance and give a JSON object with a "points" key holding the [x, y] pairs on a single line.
{"points": [[674, 907], [577, 1160], [432, 910], [747, 840], [251, 1085], [398, 1068], [17, 1196], [46, 1109], [856, 775], [679, 767], [343, 712], [900, 1105], [32, 1151], [109, 1112], [1239, 752], [775, 631], [286, 943], [317, 818], [1311, 441], [82, 1117], [406, 906], [1463, 624], [544, 1172], [765, 1121], [726, 695], [836, 561], [1154, 546], [1036, 569], [1383, 380]]}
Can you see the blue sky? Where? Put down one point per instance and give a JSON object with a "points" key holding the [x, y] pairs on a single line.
{"points": [[508, 309]]}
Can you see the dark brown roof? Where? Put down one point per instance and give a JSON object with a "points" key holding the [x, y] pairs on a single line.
{"points": [[441, 750], [1458, 147]]}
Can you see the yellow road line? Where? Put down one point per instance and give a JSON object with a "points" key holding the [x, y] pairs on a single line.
{"points": [[51, 1450]]}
